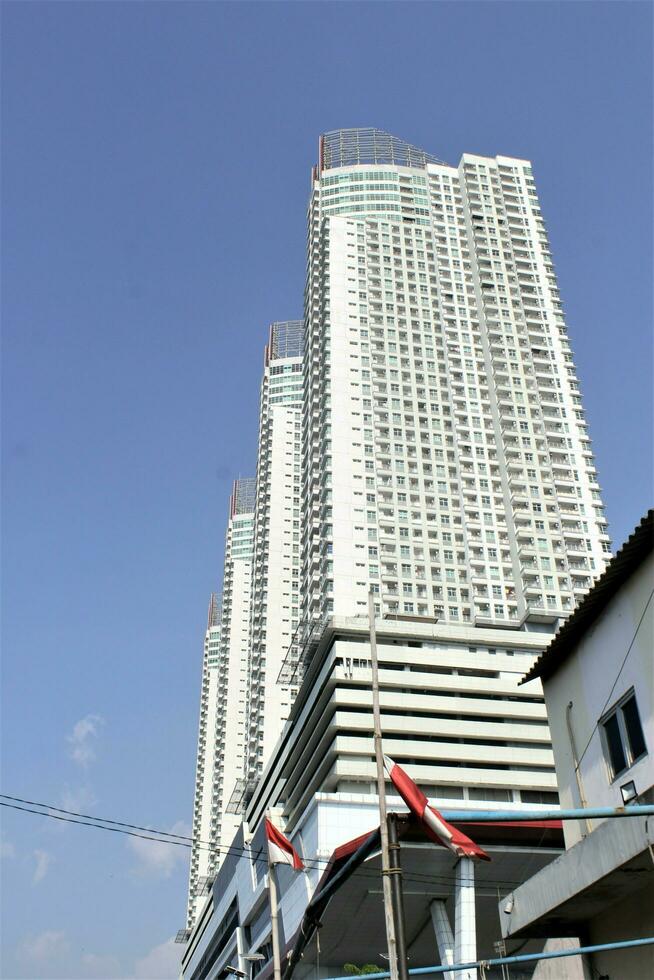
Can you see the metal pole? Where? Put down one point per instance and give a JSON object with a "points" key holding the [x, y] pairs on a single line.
{"points": [[381, 792], [534, 816], [274, 922], [422, 971], [580, 785], [398, 896]]}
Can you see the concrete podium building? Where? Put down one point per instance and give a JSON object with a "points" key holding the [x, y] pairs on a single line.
{"points": [[446, 466]]}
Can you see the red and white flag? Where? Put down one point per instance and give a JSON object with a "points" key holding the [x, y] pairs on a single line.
{"points": [[434, 825], [280, 849]]}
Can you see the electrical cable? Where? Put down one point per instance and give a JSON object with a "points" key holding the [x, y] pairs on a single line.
{"points": [[183, 840], [90, 820], [90, 816]]}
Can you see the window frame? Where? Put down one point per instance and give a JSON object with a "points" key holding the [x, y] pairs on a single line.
{"points": [[616, 711]]}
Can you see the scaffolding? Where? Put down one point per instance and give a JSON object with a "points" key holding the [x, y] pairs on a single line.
{"points": [[349, 147], [205, 884], [241, 795], [301, 651]]}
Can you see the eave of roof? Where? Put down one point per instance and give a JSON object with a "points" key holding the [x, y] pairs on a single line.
{"points": [[633, 552]]}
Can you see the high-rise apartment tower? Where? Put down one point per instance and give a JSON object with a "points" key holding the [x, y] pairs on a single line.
{"points": [[202, 865], [221, 742], [445, 463], [446, 455], [276, 564]]}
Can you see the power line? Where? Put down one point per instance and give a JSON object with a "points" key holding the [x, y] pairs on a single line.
{"points": [[90, 820], [98, 826], [166, 837], [91, 816], [120, 827]]}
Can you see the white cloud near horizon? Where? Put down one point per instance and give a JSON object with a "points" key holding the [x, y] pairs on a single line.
{"points": [[46, 948], [43, 861], [81, 739], [157, 859], [161, 963], [100, 967], [52, 954]]}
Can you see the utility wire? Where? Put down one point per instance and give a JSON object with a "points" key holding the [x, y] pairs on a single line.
{"points": [[119, 827], [84, 823], [90, 816]]}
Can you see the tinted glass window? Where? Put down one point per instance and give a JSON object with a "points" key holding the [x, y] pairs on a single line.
{"points": [[634, 728], [617, 756]]}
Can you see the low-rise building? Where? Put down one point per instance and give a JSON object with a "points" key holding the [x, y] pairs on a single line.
{"points": [[598, 683]]}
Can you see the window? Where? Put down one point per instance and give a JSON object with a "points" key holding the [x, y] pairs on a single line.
{"points": [[622, 735]]}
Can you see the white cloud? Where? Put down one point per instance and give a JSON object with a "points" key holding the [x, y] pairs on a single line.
{"points": [[77, 800], [7, 849], [100, 967], [84, 732], [43, 861], [157, 859], [45, 948], [161, 963]]}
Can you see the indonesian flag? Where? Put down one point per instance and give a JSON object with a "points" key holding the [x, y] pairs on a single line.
{"points": [[280, 849], [432, 822]]}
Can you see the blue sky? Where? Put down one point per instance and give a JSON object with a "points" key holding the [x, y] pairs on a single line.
{"points": [[155, 176]]}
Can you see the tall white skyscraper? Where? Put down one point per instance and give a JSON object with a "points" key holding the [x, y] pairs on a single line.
{"points": [[202, 865], [276, 562], [430, 410], [221, 742], [447, 460]]}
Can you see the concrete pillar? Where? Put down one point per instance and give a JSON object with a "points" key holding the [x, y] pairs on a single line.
{"points": [[443, 931], [465, 932], [241, 951], [570, 968]]}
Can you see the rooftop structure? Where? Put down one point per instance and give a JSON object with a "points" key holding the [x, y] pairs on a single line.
{"points": [[243, 496], [353, 147], [286, 340]]}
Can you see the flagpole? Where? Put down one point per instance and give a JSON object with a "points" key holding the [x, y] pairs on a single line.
{"points": [[381, 792], [398, 896], [274, 920]]}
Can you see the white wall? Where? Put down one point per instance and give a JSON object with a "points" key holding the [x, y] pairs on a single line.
{"points": [[589, 678]]}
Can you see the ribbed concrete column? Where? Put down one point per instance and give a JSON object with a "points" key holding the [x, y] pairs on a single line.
{"points": [[443, 931], [241, 950], [465, 931]]}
